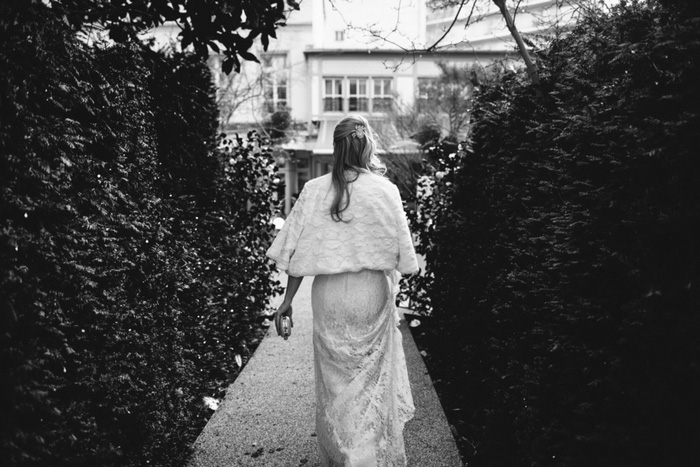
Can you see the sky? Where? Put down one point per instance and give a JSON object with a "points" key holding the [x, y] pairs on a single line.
{"points": [[397, 21]]}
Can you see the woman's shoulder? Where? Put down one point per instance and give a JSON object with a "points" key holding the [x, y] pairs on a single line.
{"points": [[379, 182], [318, 183], [366, 179]]}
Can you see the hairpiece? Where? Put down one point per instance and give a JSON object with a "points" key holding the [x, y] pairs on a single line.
{"points": [[359, 131]]}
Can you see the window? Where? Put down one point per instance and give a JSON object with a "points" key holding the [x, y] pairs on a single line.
{"points": [[275, 93], [382, 98], [275, 83], [358, 97], [358, 94], [333, 95], [339, 36]]}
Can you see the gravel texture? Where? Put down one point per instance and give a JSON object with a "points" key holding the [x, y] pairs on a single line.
{"points": [[267, 416]]}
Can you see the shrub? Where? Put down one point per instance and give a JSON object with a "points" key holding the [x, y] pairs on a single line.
{"points": [[576, 268], [131, 249]]}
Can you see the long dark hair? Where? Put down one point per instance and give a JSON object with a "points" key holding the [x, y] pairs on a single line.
{"points": [[354, 150]]}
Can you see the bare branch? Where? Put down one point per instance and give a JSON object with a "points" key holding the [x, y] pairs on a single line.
{"points": [[516, 9], [529, 64], [447, 31], [414, 51], [471, 13]]}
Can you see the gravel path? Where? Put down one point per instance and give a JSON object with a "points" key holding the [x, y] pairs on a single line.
{"points": [[267, 417]]}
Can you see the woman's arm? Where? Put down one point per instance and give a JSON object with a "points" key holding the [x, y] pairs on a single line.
{"points": [[285, 309]]}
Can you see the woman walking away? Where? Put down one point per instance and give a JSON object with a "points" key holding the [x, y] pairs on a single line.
{"points": [[349, 230]]}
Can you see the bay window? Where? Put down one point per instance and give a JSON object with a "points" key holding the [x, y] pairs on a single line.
{"points": [[357, 94]]}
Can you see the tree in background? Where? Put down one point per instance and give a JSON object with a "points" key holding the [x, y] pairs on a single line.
{"points": [[444, 103], [477, 8], [277, 125], [468, 12], [235, 91], [440, 113], [440, 109]]}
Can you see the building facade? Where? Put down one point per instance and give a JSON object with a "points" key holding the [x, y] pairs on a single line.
{"points": [[334, 58], [487, 29]]}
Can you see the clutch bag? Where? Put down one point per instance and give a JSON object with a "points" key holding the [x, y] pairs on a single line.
{"points": [[286, 327]]}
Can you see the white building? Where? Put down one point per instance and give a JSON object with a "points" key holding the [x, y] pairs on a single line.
{"points": [[487, 29], [337, 57]]}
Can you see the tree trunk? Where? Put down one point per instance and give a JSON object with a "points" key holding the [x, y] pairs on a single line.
{"points": [[531, 66]]}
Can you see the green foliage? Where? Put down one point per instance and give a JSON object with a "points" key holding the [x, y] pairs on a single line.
{"points": [[277, 124], [441, 109], [403, 169], [131, 248], [561, 249], [230, 27]]}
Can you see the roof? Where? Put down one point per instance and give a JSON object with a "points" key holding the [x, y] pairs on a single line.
{"points": [[324, 143], [398, 52]]}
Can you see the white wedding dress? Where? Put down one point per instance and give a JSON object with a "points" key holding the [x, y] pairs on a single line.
{"points": [[363, 396]]}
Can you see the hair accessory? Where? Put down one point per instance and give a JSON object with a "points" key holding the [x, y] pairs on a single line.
{"points": [[359, 131]]}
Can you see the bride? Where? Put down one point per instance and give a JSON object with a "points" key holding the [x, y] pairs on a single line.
{"points": [[349, 230]]}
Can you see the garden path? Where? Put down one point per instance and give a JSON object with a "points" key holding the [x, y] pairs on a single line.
{"points": [[267, 416]]}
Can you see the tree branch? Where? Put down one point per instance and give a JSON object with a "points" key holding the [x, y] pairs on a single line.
{"points": [[529, 64], [447, 31]]}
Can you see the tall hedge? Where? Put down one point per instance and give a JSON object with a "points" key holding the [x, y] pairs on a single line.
{"points": [[131, 248], [568, 230]]}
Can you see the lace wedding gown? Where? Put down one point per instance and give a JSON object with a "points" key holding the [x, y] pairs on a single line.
{"points": [[363, 397]]}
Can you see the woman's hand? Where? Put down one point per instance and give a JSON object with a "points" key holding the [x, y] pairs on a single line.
{"points": [[285, 309]]}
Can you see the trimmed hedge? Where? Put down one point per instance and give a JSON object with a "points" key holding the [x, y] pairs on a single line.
{"points": [[572, 291], [131, 248]]}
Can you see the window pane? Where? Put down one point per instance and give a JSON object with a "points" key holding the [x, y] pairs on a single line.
{"points": [[333, 104], [359, 104], [382, 87], [358, 96], [338, 87]]}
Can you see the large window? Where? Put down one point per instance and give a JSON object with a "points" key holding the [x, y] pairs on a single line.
{"points": [[333, 95], [275, 83], [357, 94], [358, 97], [275, 92], [382, 98]]}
